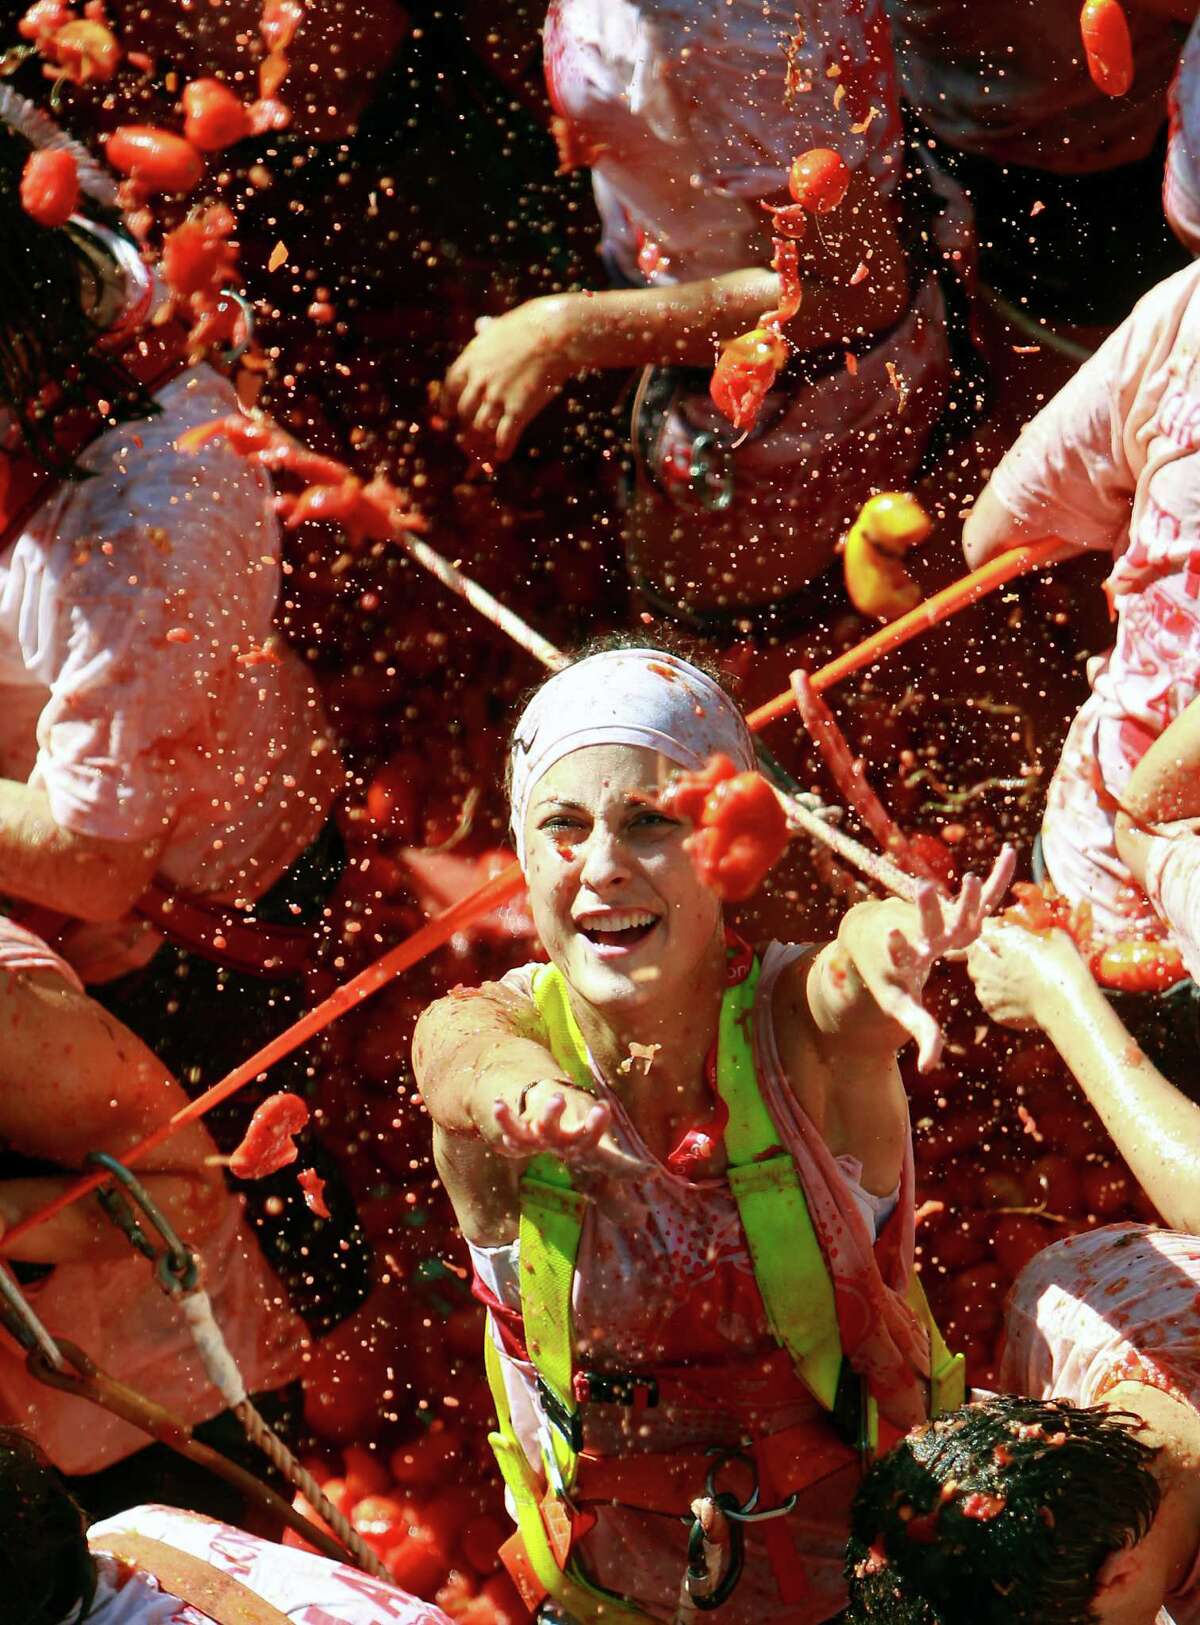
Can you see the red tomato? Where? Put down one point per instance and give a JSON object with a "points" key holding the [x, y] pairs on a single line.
{"points": [[1107, 46], [158, 160], [213, 116], [50, 186], [744, 373], [382, 1520], [818, 179], [267, 1144]]}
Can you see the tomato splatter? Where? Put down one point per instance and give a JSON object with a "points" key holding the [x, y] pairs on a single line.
{"points": [[313, 1189], [267, 1145], [819, 179]]}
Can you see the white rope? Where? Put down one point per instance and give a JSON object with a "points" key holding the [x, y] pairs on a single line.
{"points": [[219, 1364], [40, 130]]}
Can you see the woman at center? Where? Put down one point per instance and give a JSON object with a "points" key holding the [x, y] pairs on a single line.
{"points": [[685, 1174]]}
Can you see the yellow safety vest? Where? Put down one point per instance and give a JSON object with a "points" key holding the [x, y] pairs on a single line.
{"points": [[789, 1269]]}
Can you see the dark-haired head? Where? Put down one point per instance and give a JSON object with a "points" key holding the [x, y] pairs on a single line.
{"points": [[1001, 1513], [47, 1575], [47, 335]]}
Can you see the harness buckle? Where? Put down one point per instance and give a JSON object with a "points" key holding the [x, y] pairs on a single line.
{"points": [[565, 1422], [615, 1388]]}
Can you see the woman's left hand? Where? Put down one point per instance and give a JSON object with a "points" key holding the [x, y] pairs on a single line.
{"points": [[513, 367], [896, 969]]}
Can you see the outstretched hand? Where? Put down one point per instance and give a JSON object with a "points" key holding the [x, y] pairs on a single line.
{"points": [[567, 1123], [943, 926]]}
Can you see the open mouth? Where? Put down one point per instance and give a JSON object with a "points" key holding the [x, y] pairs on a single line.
{"points": [[617, 928]]}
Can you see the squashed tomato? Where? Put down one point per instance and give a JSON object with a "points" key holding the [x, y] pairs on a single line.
{"points": [[199, 257], [267, 1145], [1139, 966], [743, 832], [744, 374]]}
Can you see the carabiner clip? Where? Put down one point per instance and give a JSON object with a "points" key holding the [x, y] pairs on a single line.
{"points": [[175, 1264]]}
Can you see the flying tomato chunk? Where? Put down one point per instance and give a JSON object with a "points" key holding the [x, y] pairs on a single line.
{"points": [[742, 829], [50, 187], [686, 794], [156, 159], [313, 1188], [819, 179], [744, 374], [1140, 966], [199, 256], [214, 118], [83, 50], [267, 1145], [1107, 46]]}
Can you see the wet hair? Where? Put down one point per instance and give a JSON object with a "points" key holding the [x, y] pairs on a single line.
{"points": [[999, 1513], [47, 1573], [46, 334], [663, 641]]}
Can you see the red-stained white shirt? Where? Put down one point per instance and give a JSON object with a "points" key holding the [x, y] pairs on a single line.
{"points": [[1113, 463], [128, 607], [306, 1587], [1119, 1304]]}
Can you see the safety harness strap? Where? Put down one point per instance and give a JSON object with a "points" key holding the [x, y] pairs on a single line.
{"points": [[789, 1267]]}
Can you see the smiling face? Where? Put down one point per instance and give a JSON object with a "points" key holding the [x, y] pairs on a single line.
{"points": [[614, 896]]}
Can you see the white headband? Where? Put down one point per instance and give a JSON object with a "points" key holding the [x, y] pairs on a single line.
{"points": [[624, 697]]}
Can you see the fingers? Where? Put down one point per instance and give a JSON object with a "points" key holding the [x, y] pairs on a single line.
{"points": [[929, 912], [1000, 878]]}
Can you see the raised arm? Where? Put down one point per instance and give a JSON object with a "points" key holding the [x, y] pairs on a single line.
{"points": [[1030, 979], [864, 989]]}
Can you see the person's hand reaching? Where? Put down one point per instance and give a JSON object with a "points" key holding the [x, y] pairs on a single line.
{"points": [[563, 1121]]}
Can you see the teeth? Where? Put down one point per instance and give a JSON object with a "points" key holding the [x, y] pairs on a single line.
{"points": [[627, 919]]}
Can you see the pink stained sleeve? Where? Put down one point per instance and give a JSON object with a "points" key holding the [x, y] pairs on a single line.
{"points": [[1074, 470], [1173, 887]]}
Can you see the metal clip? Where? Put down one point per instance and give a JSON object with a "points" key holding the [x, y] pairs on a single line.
{"points": [[697, 1567], [24, 1326], [175, 1264], [565, 1422]]}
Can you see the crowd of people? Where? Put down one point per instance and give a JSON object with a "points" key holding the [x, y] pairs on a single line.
{"points": [[679, 1153]]}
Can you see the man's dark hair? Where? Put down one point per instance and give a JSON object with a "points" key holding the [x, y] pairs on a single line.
{"points": [[47, 1574], [1001, 1512], [47, 337]]}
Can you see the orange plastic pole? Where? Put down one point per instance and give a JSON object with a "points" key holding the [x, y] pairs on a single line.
{"points": [[434, 933], [402, 957], [967, 590]]}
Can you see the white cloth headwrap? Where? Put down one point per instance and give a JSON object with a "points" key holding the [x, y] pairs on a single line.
{"points": [[624, 697]]}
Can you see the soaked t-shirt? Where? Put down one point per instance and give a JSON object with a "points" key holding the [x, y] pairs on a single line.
{"points": [[1113, 1305], [1113, 464], [307, 1588]]}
